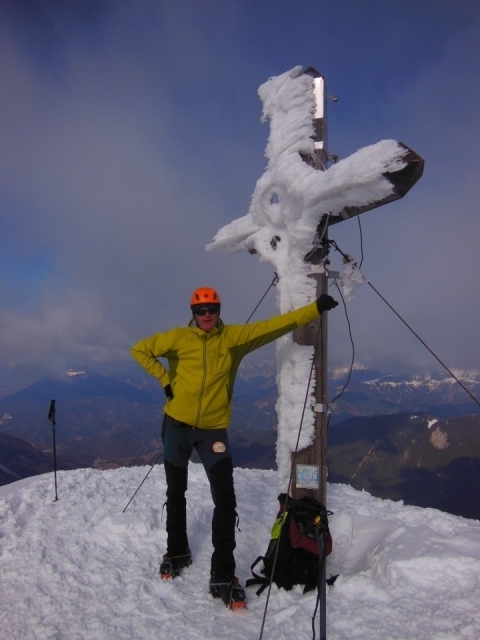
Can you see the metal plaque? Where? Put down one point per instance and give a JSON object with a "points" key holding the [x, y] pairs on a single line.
{"points": [[308, 476]]}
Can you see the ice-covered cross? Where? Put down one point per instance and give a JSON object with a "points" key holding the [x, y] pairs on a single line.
{"points": [[289, 201]]}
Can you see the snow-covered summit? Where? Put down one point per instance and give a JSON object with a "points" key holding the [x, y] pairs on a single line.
{"points": [[72, 373], [80, 372], [80, 568]]}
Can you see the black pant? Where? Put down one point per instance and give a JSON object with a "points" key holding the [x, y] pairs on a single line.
{"points": [[213, 448]]}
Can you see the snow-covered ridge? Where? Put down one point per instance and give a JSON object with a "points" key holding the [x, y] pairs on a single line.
{"points": [[74, 372], [71, 373], [433, 379], [340, 372], [427, 380], [80, 568]]}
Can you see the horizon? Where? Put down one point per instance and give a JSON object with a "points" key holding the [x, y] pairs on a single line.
{"points": [[335, 372]]}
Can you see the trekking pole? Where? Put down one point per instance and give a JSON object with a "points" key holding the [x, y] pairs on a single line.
{"points": [[51, 417], [320, 532], [156, 460]]}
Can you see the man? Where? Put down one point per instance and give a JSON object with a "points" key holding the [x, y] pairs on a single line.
{"points": [[203, 359]]}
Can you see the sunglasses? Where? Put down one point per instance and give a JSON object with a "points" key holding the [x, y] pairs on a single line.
{"points": [[206, 308]]}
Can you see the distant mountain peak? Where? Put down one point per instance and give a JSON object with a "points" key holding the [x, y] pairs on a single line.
{"points": [[341, 371], [75, 372], [80, 372]]}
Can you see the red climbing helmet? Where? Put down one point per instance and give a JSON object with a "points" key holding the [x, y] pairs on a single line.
{"points": [[204, 295]]}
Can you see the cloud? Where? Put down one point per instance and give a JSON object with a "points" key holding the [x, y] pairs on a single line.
{"points": [[131, 134]]}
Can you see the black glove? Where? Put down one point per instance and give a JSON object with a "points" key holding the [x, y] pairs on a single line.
{"points": [[168, 392], [326, 303]]}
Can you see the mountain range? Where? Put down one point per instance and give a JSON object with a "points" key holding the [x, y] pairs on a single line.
{"points": [[410, 437], [373, 392]]}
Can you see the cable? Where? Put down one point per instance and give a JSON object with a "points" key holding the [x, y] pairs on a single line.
{"points": [[320, 241], [424, 344], [361, 242], [290, 480], [151, 468], [337, 248], [272, 284], [353, 351]]}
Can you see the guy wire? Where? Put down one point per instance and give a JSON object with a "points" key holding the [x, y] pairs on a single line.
{"points": [[139, 487], [290, 480], [361, 242], [425, 345], [272, 284], [353, 352], [348, 259]]}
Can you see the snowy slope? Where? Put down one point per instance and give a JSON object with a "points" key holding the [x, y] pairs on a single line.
{"points": [[80, 568]]}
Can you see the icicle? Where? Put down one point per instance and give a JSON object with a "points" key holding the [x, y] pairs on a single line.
{"points": [[351, 278]]}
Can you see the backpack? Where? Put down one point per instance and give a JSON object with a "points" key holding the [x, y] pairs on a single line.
{"points": [[294, 533]]}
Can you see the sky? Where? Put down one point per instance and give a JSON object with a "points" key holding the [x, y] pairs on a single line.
{"points": [[131, 133], [83, 567]]}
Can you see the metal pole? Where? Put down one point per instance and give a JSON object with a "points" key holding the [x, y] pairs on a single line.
{"points": [[51, 417]]}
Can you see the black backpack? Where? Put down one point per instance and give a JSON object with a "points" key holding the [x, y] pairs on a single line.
{"points": [[299, 526]]}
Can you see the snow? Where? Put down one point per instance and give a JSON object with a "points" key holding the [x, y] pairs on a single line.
{"points": [[81, 568], [288, 202], [340, 372], [351, 278]]}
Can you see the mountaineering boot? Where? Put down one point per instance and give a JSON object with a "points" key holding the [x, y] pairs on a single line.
{"points": [[231, 593], [172, 566]]}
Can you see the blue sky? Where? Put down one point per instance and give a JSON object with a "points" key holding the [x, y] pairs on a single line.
{"points": [[130, 133]]}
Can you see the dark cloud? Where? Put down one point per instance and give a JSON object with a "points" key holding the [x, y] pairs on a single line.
{"points": [[131, 133]]}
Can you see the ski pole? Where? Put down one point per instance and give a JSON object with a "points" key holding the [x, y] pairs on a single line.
{"points": [[322, 586], [157, 459], [51, 417]]}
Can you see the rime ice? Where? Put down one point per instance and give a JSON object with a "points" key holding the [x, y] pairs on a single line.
{"points": [[288, 202]]}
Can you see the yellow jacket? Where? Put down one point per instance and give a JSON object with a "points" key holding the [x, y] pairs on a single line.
{"points": [[202, 365]]}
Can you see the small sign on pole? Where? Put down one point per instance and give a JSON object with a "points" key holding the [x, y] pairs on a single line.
{"points": [[307, 476]]}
